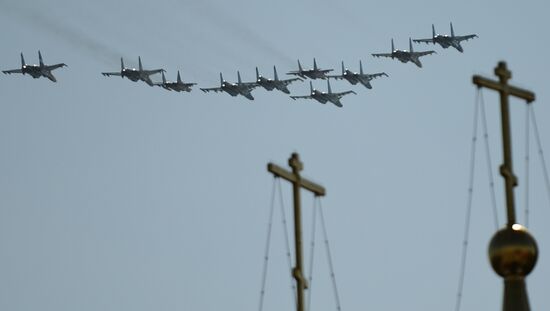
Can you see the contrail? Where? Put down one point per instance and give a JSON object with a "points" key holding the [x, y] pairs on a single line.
{"points": [[78, 39], [245, 34]]}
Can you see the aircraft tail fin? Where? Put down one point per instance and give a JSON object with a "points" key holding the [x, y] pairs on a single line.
{"points": [[452, 31], [310, 87], [22, 60], [221, 79], [179, 77], [314, 64], [121, 64], [328, 87], [392, 46], [433, 31], [163, 78], [300, 66], [343, 69], [140, 65], [257, 74], [411, 45], [40, 59], [360, 68], [275, 76], [239, 77]]}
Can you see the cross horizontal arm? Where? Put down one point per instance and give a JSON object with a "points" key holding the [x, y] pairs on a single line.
{"points": [[306, 184], [497, 86]]}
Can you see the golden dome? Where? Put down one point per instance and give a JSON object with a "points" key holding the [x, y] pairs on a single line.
{"points": [[513, 251]]}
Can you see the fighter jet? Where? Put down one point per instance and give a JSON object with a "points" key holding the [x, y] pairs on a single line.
{"points": [[177, 86], [275, 83], [324, 97], [315, 73], [36, 71], [234, 89], [134, 74], [357, 77], [404, 55], [445, 40]]}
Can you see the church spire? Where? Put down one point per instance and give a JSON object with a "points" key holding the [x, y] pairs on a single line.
{"points": [[513, 251]]}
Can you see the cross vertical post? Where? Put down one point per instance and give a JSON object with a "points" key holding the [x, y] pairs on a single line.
{"points": [[513, 251], [297, 183]]}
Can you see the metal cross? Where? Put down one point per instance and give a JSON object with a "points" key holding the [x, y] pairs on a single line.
{"points": [[297, 183], [505, 91]]}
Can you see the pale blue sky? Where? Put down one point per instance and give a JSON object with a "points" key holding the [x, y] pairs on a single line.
{"points": [[118, 196]]}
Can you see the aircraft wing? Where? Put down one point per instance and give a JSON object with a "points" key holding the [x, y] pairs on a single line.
{"points": [[303, 96], [249, 85], [12, 71], [50, 76], [424, 53], [424, 41], [288, 81], [337, 77], [212, 89], [296, 73], [383, 55], [376, 75], [52, 67], [152, 72], [463, 38], [108, 74], [344, 93]]}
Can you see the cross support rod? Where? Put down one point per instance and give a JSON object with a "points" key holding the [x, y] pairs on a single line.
{"points": [[297, 183], [506, 90]]}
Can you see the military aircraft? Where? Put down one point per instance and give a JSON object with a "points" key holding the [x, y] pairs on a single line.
{"points": [[36, 71], [357, 77], [315, 73], [404, 55], [275, 83], [177, 86], [134, 74], [324, 97], [234, 89], [445, 40]]}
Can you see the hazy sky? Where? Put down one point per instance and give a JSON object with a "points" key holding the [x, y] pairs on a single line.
{"points": [[117, 196]]}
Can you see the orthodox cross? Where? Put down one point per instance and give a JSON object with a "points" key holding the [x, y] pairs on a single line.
{"points": [[297, 183], [505, 91], [513, 251]]}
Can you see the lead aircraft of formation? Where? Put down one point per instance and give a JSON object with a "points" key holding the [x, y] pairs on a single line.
{"points": [[234, 89], [324, 97], [357, 77], [313, 73], [134, 74], [405, 56], [445, 40], [36, 71]]}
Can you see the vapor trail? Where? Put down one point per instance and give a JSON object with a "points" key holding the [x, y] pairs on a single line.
{"points": [[247, 35], [70, 35]]}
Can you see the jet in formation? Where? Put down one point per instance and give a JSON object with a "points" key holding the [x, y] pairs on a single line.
{"points": [[314, 73], [36, 71], [445, 40], [234, 89], [177, 86], [324, 97], [357, 77], [405, 56], [134, 74], [275, 83]]}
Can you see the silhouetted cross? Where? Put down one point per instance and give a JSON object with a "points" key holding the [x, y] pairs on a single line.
{"points": [[297, 183], [505, 91]]}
